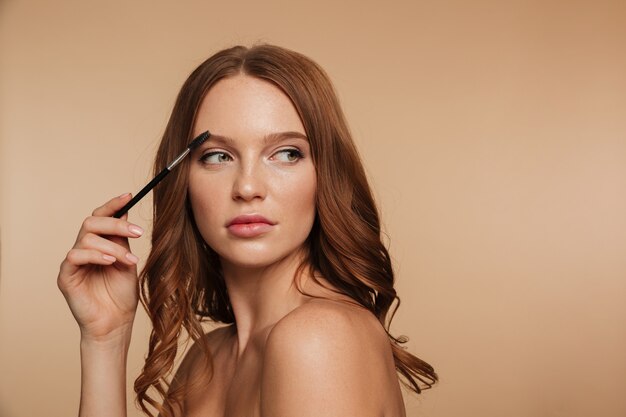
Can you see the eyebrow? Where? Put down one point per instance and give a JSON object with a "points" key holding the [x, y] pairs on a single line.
{"points": [[267, 139]]}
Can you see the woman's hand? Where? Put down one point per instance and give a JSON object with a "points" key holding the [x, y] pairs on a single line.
{"points": [[98, 277]]}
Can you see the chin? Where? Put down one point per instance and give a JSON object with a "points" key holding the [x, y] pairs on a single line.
{"points": [[256, 259], [250, 262]]}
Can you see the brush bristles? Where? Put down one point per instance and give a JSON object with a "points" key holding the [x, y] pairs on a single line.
{"points": [[199, 140]]}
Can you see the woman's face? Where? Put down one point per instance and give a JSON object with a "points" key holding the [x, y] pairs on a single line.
{"points": [[252, 184]]}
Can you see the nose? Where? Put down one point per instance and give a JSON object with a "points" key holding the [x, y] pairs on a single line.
{"points": [[249, 182]]}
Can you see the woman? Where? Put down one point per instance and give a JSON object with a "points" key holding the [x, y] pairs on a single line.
{"points": [[270, 227]]}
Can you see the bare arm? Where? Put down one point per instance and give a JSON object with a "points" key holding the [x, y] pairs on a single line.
{"points": [[103, 377], [98, 279]]}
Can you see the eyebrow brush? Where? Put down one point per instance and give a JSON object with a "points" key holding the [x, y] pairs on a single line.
{"points": [[199, 140]]}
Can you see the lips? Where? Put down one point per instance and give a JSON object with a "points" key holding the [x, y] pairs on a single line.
{"points": [[249, 225]]}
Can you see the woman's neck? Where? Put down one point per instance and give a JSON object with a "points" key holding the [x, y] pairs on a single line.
{"points": [[260, 297]]}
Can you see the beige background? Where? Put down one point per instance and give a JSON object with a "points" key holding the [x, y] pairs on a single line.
{"points": [[494, 134]]}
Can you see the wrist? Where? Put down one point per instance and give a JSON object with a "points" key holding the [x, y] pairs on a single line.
{"points": [[119, 337]]}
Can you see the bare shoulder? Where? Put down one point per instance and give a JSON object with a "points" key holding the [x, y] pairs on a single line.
{"points": [[327, 349], [195, 354], [214, 339], [328, 320], [216, 336]]}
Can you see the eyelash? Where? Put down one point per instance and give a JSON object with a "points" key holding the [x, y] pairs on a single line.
{"points": [[299, 155], [295, 151], [206, 156]]}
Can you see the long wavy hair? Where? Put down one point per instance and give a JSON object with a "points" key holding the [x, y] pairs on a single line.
{"points": [[182, 283]]}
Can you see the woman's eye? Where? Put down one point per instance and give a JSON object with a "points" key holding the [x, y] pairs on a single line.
{"points": [[215, 158], [288, 155]]}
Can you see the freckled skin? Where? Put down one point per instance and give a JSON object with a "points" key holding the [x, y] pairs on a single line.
{"points": [[252, 177]]}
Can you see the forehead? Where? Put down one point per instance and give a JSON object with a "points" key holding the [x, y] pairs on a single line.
{"points": [[245, 106]]}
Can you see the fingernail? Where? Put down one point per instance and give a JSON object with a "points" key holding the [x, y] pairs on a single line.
{"points": [[108, 258], [132, 258], [124, 195], [136, 230]]}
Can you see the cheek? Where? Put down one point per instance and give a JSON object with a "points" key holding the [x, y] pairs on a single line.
{"points": [[204, 198], [299, 198]]}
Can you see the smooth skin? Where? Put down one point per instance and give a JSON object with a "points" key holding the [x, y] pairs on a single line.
{"points": [[289, 354], [98, 278]]}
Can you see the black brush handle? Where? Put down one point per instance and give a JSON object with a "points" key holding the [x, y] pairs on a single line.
{"points": [[145, 190], [199, 140]]}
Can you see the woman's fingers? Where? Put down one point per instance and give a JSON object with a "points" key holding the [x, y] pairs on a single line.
{"points": [[110, 207], [109, 226], [102, 239], [101, 223], [78, 257], [106, 246]]}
